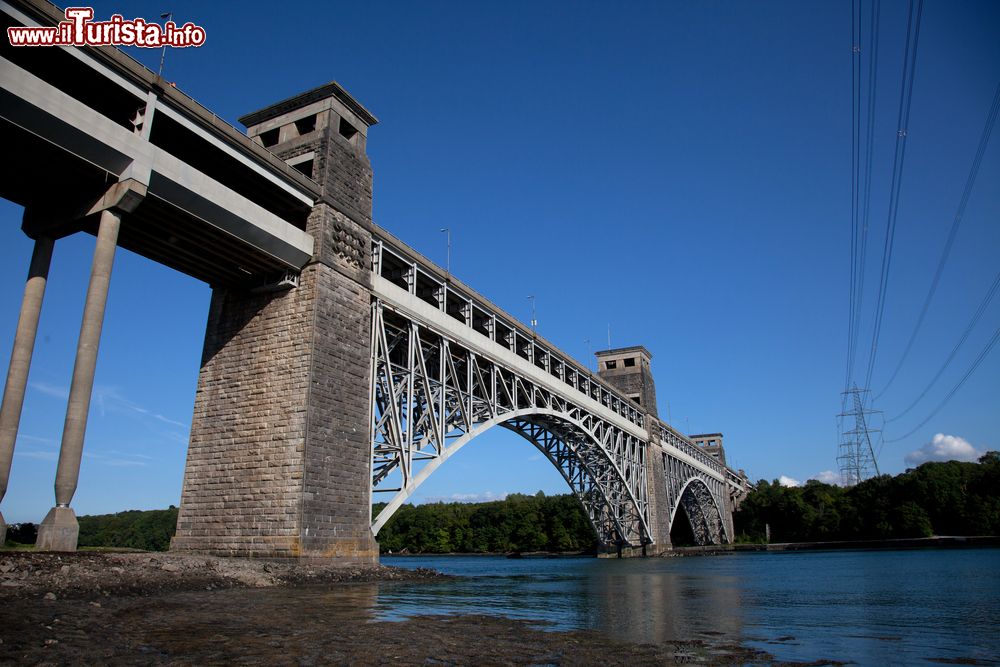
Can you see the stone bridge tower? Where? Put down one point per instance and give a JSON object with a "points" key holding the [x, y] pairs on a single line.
{"points": [[627, 369], [279, 457]]}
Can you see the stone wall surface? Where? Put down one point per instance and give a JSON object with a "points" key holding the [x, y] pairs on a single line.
{"points": [[631, 381], [336, 513], [243, 479], [279, 458], [659, 516]]}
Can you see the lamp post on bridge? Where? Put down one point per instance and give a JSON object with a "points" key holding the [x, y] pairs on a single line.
{"points": [[447, 261], [169, 16]]}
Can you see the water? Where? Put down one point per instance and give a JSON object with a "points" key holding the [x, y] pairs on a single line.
{"points": [[869, 607]]}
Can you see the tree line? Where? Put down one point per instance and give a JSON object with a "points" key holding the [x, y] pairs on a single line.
{"points": [[520, 523], [149, 530], [951, 498]]}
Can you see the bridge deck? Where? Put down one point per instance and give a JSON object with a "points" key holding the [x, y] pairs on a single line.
{"points": [[217, 206]]}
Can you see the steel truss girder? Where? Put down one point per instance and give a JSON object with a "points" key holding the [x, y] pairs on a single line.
{"points": [[430, 396], [701, 496]]}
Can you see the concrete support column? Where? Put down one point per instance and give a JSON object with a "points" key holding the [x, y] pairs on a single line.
{"points": [[20, 361], [59, 530]]}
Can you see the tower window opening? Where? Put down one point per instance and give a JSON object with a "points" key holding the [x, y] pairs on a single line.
{"points": [[347, 130], [306, 125], [269, 138], [305, 168]]}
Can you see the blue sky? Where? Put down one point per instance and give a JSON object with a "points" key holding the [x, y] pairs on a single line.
{"points": [[678, 170]]}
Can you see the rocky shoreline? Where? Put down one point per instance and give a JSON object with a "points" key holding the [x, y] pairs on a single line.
{"points": [[155, 608], [98, 574]]}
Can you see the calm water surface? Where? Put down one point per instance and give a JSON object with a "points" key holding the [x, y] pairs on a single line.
{"points": [[869, 607]]}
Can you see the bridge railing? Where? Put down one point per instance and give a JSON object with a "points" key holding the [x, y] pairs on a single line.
{"points": [[737, 480], [425, 281], [683, 443]]}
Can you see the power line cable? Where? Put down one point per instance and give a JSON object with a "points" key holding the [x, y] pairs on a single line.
{"points": [[905, 102], [970, 182], [961, 341], [873, 44], [968, 374], [855, 175]]}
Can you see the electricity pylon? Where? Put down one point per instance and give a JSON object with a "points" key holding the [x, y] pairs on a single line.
{"points": [[856, 455]]}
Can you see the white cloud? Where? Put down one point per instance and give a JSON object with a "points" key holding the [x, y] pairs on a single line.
{"points": [[128, 454], [21, 437], [123, 463], [116, 459], [943, 448], [52, 390], [784, 480], [111, 400], [34, 454], [827, 477]]}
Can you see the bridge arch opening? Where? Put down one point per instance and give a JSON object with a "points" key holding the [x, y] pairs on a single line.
{"points": [[681, 532], [569, 446], [697, 519]]}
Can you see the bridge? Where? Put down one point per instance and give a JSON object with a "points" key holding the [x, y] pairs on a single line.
{"points": [[339, 365]]}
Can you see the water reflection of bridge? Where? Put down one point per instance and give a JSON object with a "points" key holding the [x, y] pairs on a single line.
{"points": [[637, 601], [658, 603]]}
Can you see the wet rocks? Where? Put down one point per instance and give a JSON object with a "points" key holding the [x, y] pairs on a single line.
{"points": [[86, 574]]}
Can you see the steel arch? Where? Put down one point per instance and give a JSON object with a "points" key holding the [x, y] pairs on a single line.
{"points": [[698, 506], [430, 396]]}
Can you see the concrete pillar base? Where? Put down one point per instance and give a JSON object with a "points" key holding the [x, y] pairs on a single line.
{"points": [[58, 531], [615, 551], [347, 551]]}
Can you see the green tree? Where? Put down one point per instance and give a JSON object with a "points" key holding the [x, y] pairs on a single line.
{"points": [[519, 523], [150, 530], [949, 498]]}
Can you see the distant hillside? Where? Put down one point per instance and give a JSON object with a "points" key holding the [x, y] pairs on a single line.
{"points": [[951, 498]]}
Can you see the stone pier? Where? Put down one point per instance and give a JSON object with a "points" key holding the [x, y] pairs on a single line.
{"points": [[279, 458]]}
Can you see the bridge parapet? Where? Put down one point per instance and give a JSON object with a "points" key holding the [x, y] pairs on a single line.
{"points": [[669, 436], [394, 262]]}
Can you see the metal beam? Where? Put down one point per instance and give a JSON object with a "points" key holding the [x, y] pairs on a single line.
{"points": [[417, 308], [50, 114]]}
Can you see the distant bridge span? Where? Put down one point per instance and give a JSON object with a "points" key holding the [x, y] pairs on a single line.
{"points": [[338, 363]]}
